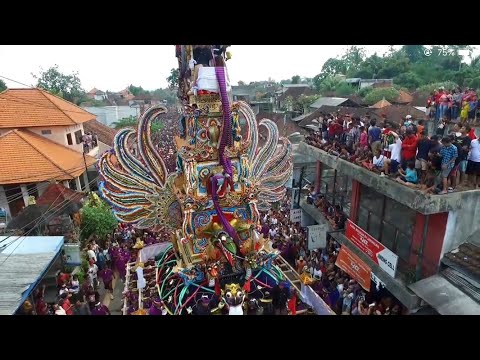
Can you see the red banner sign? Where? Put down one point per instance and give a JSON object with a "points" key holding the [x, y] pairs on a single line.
{"points": [[355, 267], [386, 259]]}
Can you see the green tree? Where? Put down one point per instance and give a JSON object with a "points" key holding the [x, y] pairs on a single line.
{"points": [[304, 101], [296, 79], [130, 121], [353, 58], [409, 80], [173, 78], [3, 86], [344, 89], [414, 53], [165, 94], [68, 87], [374, 96], [241, 83], [137, 90], [98, 219]]}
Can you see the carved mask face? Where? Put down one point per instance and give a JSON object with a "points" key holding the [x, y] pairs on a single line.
{"points": [[234, 294]]}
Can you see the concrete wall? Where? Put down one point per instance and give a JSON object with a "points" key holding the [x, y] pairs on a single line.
{"points": [[110, 114], [59, 135], [463, 224]]}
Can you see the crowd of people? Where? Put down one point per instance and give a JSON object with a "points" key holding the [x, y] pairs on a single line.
{"points": [[436, 164], [90, 141], [107, 260], [317, 266], [453, 105], [165, 141]]}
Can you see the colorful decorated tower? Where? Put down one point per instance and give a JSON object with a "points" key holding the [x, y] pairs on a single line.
{"points": [[211, 203]]}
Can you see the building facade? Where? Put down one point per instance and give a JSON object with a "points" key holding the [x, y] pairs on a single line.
{"points": [[417, 228]]}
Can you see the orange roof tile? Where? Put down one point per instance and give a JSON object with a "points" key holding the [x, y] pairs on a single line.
{"points": [[380, 104], [30, 158], [35, 107]]}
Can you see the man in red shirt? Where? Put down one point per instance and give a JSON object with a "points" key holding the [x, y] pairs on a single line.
{"points": [[409, 148], [67, 306]]}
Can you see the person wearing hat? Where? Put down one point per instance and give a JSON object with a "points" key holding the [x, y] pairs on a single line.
{"points": [[156, 308], [100, 309], [203, 306]]}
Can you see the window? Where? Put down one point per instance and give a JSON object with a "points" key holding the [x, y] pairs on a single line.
{"points": [[46, 132], [388, 221], [69, 139], [78, 136], [336, 189]]}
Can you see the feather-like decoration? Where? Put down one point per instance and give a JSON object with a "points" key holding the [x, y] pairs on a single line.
{"points": [[138, 190]]}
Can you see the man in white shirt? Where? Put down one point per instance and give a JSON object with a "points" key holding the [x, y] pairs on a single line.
{"points": [[91, 254], [473, 164], [272, 232], [59, 310], [92, 274], [391, 165]]}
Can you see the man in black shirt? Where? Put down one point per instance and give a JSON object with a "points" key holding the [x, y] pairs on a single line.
{"points": [[421, 163], [280, 295], [463, 145]]}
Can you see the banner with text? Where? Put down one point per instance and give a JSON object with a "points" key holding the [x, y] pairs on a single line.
{"points": [[72, 254], [317, 236], [386, 259], [355, 267], [295, 215]]}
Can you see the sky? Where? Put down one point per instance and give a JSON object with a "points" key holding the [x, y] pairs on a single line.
{"points": [[114, 67]]}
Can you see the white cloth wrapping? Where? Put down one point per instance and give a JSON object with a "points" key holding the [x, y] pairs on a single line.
{"points": [[207, 80], [150, 251], [141, 283]]}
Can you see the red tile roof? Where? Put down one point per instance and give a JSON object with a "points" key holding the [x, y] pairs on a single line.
{"points": [[56, 194], [30, 158], [104, 133], [20, 108]]}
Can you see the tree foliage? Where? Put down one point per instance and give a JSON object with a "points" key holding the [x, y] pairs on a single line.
{"points": [[137, 90], [172, 79], [68, 87], [97, 218], [3, 86], [375, 95], [296, 79], [130, 121], [411, 67]]}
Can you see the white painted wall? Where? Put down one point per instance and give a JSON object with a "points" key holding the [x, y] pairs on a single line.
{"points": [[58, 134], [462, 225], [110, 114]]}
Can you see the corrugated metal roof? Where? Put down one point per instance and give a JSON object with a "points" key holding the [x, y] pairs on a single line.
{"points": [[446, 298], [22, 264], [331, 101]]}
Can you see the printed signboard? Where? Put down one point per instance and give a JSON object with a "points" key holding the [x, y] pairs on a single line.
{"points": [[386, 259]]}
